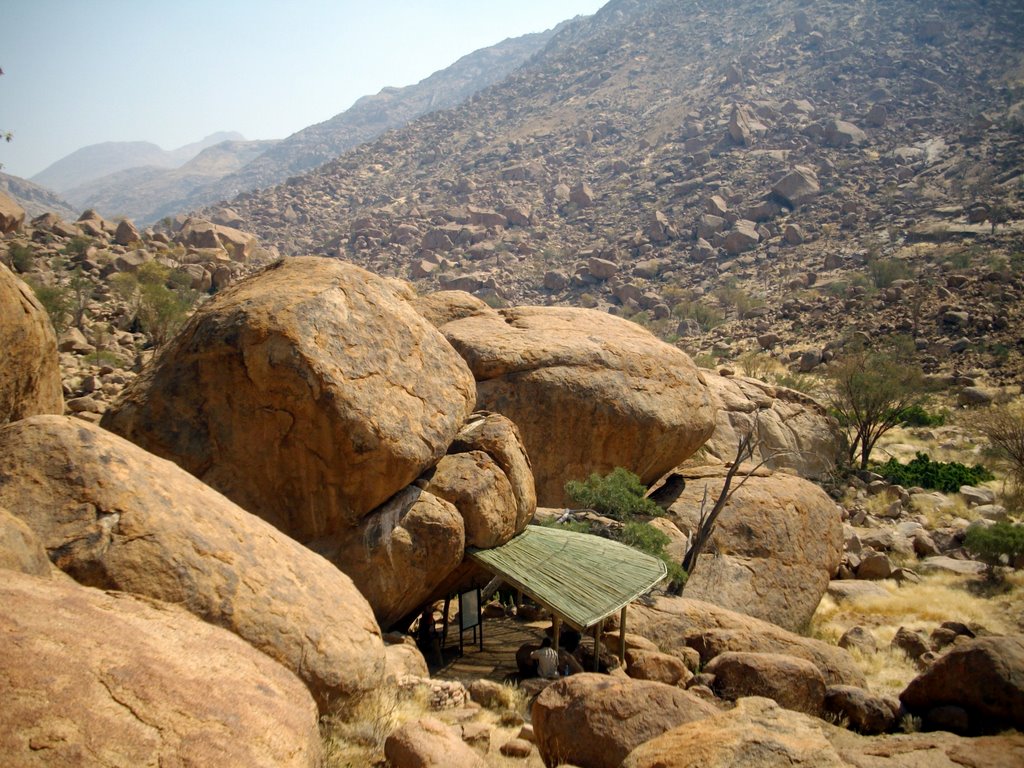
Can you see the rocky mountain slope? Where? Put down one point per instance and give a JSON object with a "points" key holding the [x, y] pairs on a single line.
{"points": [[766, 171], [35, 199], [97, 160]]}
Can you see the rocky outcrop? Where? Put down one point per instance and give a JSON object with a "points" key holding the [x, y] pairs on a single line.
{"points": [[596, 720], [309, 394], [88, 677], [30, 376], [588, 391], [12, 215], [115, 517], [20, 548], [774, 548], [401, 552], [791, 682], [429, 743], [756, 733], [676, 622], [793, 431], [982, 678]]}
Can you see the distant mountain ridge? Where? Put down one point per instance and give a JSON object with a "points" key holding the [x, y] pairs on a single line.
{"points": [[140, 181], [97, 160], [36, 200]]}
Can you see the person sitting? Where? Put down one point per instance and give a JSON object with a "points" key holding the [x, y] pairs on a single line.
{"points": [[547, 659]]}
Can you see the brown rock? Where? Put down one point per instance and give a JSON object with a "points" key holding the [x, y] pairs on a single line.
{"points": [[928, 750], [309, 394], [404, 660], [400, 553], [865, 712], [30, 376], [596, 720], [984, 676], [794, 431], [126, 233], [20, 548], [797, 187], [859, 638], [519, 748], [657, 666], [588, 391], [774, 548], [94, 678], [475, 484], [428, 743], [114, 517], [12, 215], [912, 643], [757, 733], [499, 438], [442, 307], [672, 622], [792, 683]]}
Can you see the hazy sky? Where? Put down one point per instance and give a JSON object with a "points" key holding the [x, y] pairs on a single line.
{"points": [[79, 72]]}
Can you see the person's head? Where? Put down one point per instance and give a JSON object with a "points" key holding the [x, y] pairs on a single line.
{"points": [[546, 643]]}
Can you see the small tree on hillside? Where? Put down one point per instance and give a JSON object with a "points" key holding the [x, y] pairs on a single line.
{"points": [[870, 390], [1004, 428]]}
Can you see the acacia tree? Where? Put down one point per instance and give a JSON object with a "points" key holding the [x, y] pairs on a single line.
{"points": [[1004, 428], [870, 390]]}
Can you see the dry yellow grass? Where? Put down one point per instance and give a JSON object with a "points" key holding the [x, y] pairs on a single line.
{"points": [[939, 597]]}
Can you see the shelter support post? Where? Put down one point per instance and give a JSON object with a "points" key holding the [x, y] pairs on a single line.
{"points": [[556, 627], [597, 647], [622, 636]]}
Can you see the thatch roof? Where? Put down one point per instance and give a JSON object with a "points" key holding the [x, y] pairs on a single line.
{"points": [[580, 577]]}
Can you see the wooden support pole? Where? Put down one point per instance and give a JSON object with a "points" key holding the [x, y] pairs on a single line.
{"points": [[622, 636], [556, 627], [597, 647]]}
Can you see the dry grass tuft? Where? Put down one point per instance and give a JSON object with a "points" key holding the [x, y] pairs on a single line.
{"points": [[355, 737], [939, 597]]}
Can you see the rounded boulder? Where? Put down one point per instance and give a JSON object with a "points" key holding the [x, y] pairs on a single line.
{"points": [[309, 394], [589, 392]]}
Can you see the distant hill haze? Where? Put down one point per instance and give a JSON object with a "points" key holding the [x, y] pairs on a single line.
{"points": [[140, 181], [98, 160]]}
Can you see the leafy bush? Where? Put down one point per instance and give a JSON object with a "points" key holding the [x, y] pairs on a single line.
{"points": [[77, 246], [936, 475], [916, 416], [992, 543], [884, 272], [22, 257], [159, 296], [707, 317], [618, 495], [652, 541], [1004, 428], [56, 300]]}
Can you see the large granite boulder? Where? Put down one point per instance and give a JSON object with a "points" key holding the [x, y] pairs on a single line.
{"points": [[115, 517], [110, 679], [595, 720], [983, 677], [794, 431], [429, 743], [677, 622], [790, 682], [774, 548], [309, 394], [401, 552], [30, 374], [588, 391]]}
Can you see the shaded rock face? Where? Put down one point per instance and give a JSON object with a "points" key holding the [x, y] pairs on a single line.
{"points": [[308, 394], [983, 677], [678, 622], [596, 720], [115, 517], [775, 546], [794, 431], [756, 733], [588, 391], [94, 678], [30, 375], [400, 553], [791, 682]]}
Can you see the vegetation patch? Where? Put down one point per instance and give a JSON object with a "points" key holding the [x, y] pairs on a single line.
{"points": [[934, 475]]}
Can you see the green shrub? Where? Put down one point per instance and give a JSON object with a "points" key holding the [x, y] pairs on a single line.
{"points": [[618, 495], [916, 416], [884, 272], [56, 300], [936, 475], [77, 246], [22, 257], [652, 541], [992, 543], [707, 317]]}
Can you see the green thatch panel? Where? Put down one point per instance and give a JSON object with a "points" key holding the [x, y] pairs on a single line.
{"points": [[580, 577]]}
